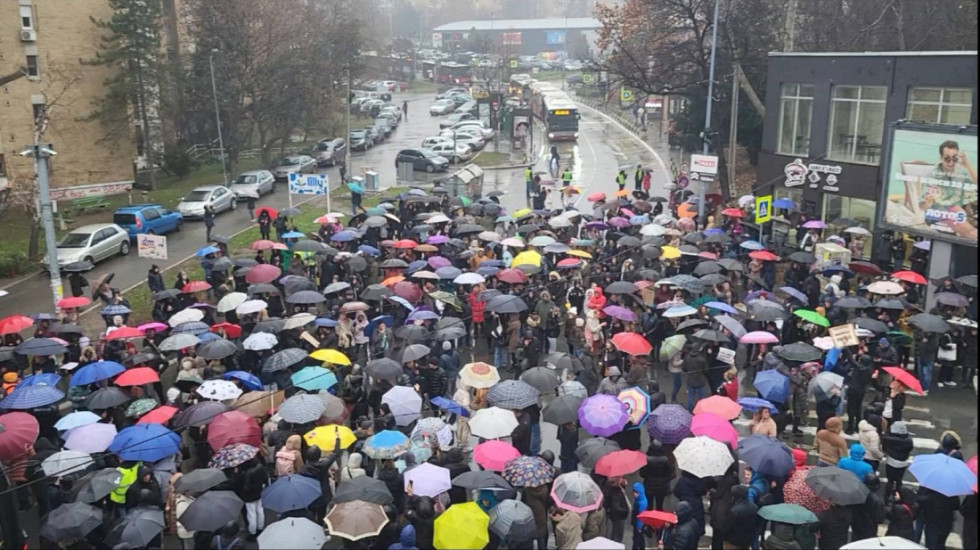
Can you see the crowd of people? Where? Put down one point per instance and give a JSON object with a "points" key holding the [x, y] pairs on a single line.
{"points": [[435, 372]]}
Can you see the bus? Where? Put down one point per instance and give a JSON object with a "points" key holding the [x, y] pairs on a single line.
{"points": [[560, 116]]}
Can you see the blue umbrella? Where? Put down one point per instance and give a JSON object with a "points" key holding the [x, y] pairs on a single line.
{"points": [[714, 231], [373, 325], [45, 379], [343, 236], [95, 372], [30, 397], [752, 245], [325, 322], [369, 250], [421, 315], [208, 337], [721, 306], [784, 203], [790, 291], [493, 263], [314, 378], [487, 271], [76, 419], [766, 455], [449, 405], [293, 235], [293, 492], [207, 250], [145, 443], [415, 266], [772, 385], [755, 403], [357, 188], [117, 309], [386, 444], [943, 474], [247, 379], [402, 301]]}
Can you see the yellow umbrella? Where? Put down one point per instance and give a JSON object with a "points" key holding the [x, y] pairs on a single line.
{"points": [[579, 254], [528, 257], [330, 356], [521, 212], [463, 526], [669, 253], [324, 437]]}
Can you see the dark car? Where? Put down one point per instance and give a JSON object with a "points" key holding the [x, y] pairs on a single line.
{"points": [[328, 152], [423, 159], [360, 140]]}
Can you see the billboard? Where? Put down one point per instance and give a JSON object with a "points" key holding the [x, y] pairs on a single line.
{"points": [[511, 39], [555, 37], [930, 184], [153, 247]]}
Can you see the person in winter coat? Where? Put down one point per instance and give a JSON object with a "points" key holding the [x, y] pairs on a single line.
{"points": [[827, 408], [783, 537], [353, 468], [900, 512], [613, 383], [395, 483], [568, 439], [860, 378], [182, 502], [289, 459], [897, 446], [696, 368], [320, 469], [657, 475], [687, 533], [869, 515], [568, 529], [869, 438], [421, 513], [639, 505], [617, 506], [796, 490], [692, 489], [936, 512], [406, 539], [835, 523], [538, 499], [968, 509], [145, 481], [762, 423], [743, 517], [950, 444], [253, 480], [855, 463], [829, 444], [720, 504], [594, 524], [799, 383], [596, 302]]}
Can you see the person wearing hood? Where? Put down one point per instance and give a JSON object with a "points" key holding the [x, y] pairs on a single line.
{"points": [[897, 446], [617, 506], [658, 473], [835, 522], [691, 489], [870, 439], [613, 383], [145, 481], [543, 309], [639, 505], [538, 499], [860, 377], [720, 504], [406, 539], [695, 367], [687, 533], [394, 481], [353, 467], [568, 529], [855, 463], [421, 513], [900, 511], [796, 490], [829, 444], [251, 483], [950, 444], [744, 517], [869, 515], [935, 517]]}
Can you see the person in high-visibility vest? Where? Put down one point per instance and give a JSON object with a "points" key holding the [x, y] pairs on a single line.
{"points": [[566, 177], [621, 179], [528, 177], [128, 471]]}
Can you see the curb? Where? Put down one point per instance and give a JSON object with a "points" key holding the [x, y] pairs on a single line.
{"points": [[508, 166]]}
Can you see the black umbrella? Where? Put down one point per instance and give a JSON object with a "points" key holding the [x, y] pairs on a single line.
{"points": [[868, 323], [220, 238], [802, 257], [306, 297], [799, 351], [40, 346], [199, 414], [71, 521], [621, 287], [106, 398], [376, 293], [384, 368], [629, 241], [198, 481], [967, 280], [412, 333], [713, 279], [217, 349], [68, 328], [394, 263], [450, 333], [245, 262], [272, 325], [593, 449], [137, 528], [468, 229], [952, 299], [717, 238], [78, 267], [891, 303], [414, 352], [357, 263], [562, 410], [707, 267], [95, 486], [731, 264], [506, 303], [211, 511], [284, 359], [927, 322], [263, 288], [489, 293], [651, 252], [528, 228], [295, 283], [223, 263], [691, 323], [363, 488], [564, 361], [482, 479], [166, 294], [310, 246], [853, 302], [693, 238], [839, 486], [710, 335], [188, 384]]}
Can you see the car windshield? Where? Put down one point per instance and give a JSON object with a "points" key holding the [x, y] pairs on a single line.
{"points": [[357, 135], [197, 196], [289, 161], [74, 240], [322, 147], [246, 179]]}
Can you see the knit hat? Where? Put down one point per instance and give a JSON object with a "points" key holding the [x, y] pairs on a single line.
{"points": [[900, 428], [446, 346]]}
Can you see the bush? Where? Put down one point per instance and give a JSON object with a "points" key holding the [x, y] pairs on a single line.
{"points": [[177, 163], [13, 264]]}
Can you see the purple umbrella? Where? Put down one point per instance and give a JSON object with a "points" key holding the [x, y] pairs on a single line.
{"points": [[815, 224], [602, 415], [428, 480], [436, 262], [669, 424], [421, 315], [619, 312], [721, 306], [790, 291], [90, 438], [619, 222], [597, 225], [437, 239]]}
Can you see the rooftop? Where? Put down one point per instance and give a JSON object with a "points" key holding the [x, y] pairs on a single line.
{"points": [[554, 23]]}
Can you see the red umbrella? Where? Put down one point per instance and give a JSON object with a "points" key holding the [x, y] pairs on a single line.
{"points": [[408, 290], [262, 244], [631, 343], [570, 262], [75, 301], [620, 463], [910, 277], [708, 255], [231, 330], [733, 213], [233, 427], [764, 255], [405, 243], [18, 431], [137, 377], [905, 377], [262, 273], [273, 213], [512, 276], [657, 518], [123, 333], [494, 454], [597, 196], [159, 415], [196, 286], [866, 268], [719, 405], [14, 324]]}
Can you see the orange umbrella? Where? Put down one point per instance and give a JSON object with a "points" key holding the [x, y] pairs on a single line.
{"points": [[687, 210], [392, 280], [623, 193]]}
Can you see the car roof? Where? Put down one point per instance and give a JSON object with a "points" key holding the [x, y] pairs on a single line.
{"points": [[92, 228], [252, 173], [137, 207], [207, 187]]}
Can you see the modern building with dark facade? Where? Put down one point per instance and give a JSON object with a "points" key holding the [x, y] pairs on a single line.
{"points": [[829, 118], [519, 36]]}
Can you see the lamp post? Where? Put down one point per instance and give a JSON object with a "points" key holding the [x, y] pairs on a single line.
{"points": [[217, 116], [41, 152], [707, 110]]}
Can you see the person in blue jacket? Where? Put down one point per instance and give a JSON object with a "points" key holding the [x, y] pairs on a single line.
{"points": [[406, 540], [639, 505], [855, 462]]}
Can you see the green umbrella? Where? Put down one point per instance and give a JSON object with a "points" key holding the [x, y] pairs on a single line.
{"points": [[140, 407], [672, 346], [465, 200], [698, 302], [793, 514], [812, 317], [447, 298], [898, 338]]}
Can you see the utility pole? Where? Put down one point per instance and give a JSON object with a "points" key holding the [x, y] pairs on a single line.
{"points": [[707, 111], [41, 152], [347, 157], [733, 134], [217, 117], [789, 29]]}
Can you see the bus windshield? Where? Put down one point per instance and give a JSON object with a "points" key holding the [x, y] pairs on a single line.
{"points": [[563, 119]]}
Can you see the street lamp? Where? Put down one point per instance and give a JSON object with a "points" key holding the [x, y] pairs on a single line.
{"points": [[41, 152], [217, 116], [707, 112]]}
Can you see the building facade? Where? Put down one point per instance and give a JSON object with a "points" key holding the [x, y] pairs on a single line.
{"points": [[829, 117], [519, 36]]}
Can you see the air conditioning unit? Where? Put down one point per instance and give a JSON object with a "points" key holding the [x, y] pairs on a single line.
{"points": [[28, 35]]}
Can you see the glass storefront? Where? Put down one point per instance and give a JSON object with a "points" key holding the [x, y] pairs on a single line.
{"points": [[859, 210]]}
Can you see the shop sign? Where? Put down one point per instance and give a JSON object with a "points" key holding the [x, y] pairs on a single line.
{"points": [[704, 164], [795, 173], [826, 174]]}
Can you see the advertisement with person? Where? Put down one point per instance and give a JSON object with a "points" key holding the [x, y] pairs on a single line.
{"points": [[931, 182]]}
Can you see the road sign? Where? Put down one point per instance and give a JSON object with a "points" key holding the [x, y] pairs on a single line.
{"points": [[513, 63], [588, 78], [308, 184], [625, 94], [683, 181], [153, 247], [763, 209], [704, 164]]}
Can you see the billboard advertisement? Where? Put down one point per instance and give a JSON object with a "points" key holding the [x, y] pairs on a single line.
{"points": [[931, 182], [555, 37], [511, 39]]}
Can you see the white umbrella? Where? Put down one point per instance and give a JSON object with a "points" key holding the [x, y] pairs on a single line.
{"points": [[251, 306], [653, 230], [857, 230], [179, 341], [298, 320], [185, 316], [469, 279], [231, 301], [493, 423], [745, 200], [703, 456], [877, 543], [573, 387], [219, 390], [292, 534], [559, 222], [885, 287], [438, 218], [66, 462], [260, 341], [405, 404], [600, 543]]}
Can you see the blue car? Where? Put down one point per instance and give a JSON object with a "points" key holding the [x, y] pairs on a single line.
{"points": [[151, 219]]}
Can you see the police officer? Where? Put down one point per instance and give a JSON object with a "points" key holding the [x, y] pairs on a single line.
{"points": [[528, 180], [566, 177]]}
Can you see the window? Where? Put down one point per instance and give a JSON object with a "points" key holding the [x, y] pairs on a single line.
{"points": [[857, 123], [3, 166], [32, 68], [151, 214], [940, 105], [26, 18], [859, 210], [796, 109]]}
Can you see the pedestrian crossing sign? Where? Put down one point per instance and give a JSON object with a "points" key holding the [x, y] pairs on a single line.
{"points": [[588, 78], [625, 94], [763, 209]]}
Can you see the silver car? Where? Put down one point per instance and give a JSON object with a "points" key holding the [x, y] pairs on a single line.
{"points": [[299, 164], [92, 243], [253, 184], [218, 197]]}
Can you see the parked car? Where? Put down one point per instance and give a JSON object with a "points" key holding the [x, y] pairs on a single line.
{"points": [[255, 184], [374, 135], [459, 99], [389, 117], [423, 159], [391, 85], [454, 118], [92, 243], [442, 107], [328, 152], [392, 110], [468, 107], [428, 142], [152, 219], [360, 140], [479, 125], [383, 127], [466, 137], [451, 91], [461, 151], [299, 164], [372, 107], [220, 198]]}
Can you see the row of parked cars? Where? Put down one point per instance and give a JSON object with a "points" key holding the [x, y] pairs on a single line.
{"points": [[461, 134]]}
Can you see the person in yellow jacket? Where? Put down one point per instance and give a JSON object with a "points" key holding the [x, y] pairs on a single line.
{"points": [[128, 472]]}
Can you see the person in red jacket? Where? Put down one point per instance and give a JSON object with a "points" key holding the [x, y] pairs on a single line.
{"points": [[729, 388], [477, 309], [597, 301]]}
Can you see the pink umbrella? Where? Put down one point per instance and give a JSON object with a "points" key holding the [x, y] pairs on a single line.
{"points": [[428, 480], [152, 326], [627, 211], [815, 224], [715, 427], [971, 463], [718, 405], [90, 438], [436, 262], [262, 273], [619, 222], [494, 454], [408, 291], [18, 430], [759, 337]]}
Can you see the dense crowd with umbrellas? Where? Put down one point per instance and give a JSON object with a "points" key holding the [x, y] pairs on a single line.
{"points": [[382, 383]]}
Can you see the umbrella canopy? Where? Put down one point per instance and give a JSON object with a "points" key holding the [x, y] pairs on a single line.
{"points": [[890, 542], [839, 486], [91, 438], [512, 394], [944, 474], [291, 492], [480, 480], [620, 463], [479, 375], [799, 351], [18, 431], [577, 492], [905, 377], [137, 528], [632, 343], [67, 422], [145, 443], [233, 427], [823, 385], [232, 455], [703, 456], [793, 514], [200, 480], [492, 423], [594, 448], [355, 520], [718, 405], [512, 520], [427, 480], [292, 534], [766, 455], [602, 415], [669, 423], [199, 414], [562, 410], [71, 521], [302, 408], [386, 444], [772, 385], [464, 526], [405, 404], [927, 322], [211, 511], [314, 379], [715, 427], [96, 372], [218, 390], [528, 471], [94, 486], [494, 454], [363, 488], [542, 379], [637, 404]]}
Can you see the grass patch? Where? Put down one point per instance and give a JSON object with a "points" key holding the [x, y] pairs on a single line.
{"points": [[421, 86], [491, 158]]}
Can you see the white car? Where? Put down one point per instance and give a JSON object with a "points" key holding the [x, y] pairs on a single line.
{"points": [[429, 142], [442, 107], [300, 164], [461, 153], [469, 137], [218, 197], [253, 184], [92, 243], [487, 133]]}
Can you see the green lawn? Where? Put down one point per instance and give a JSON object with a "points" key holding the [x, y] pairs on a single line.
{"points": [[421, 86], [491, 158]]}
